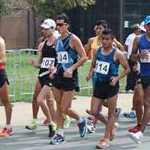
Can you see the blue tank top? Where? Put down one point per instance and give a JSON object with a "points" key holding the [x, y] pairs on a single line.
{"points": [[66, 56], [105, 66], [144, 66]]}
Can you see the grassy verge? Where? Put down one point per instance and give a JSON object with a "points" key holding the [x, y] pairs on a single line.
{"points": [[23, 77]]}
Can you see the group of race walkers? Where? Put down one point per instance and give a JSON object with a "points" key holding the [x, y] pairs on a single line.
{"points": [[60, 54]]}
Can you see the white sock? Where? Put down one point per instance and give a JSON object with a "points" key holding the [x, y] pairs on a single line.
{"points": [[8, 126], [80, 120], [60, 131]]}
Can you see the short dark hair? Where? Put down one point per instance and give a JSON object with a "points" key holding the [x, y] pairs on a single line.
{"points": [[102, 23], [64, 17], [108, 31]]}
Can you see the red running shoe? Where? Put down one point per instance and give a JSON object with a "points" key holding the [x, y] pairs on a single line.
{"points": [[6, 132], [135, 129]]}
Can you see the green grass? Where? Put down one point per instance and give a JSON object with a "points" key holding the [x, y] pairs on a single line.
{"points": [[23, 77]]}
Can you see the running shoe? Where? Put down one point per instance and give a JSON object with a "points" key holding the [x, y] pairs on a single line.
{"points": [[103, 143], [32, 126], [91, 128], [135, 129], [117, 112], [57, 139], [67, 121], [6, 132], [131, 115], [129, 91], [52, 129], [137, 136], [83, 127]]}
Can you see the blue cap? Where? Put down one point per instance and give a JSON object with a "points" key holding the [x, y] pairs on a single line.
{"points": [[147, 20]]}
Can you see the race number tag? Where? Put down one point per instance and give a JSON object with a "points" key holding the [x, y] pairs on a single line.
{"points": [[62, 57], [102, 67], [145, 60], [47, 62]]}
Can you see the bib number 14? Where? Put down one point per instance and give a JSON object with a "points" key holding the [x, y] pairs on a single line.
{"points": [[102, 67]]}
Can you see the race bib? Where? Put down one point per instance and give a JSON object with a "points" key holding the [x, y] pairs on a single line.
{"points": [[102, 67], [145, 60], [62, 57], [47, 62]]}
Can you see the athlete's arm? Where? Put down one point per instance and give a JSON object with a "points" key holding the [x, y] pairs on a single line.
{"points": [[134, 56], [2, 51], [91, 70], [120, 57], [87, 47], [37, 64], [118, 45], [124, 63]]}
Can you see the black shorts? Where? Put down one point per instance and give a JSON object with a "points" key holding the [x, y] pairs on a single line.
{"points": [[66, 84], [104, 90], [138, 79], [145, 82], [3, 77], [45, 80]]}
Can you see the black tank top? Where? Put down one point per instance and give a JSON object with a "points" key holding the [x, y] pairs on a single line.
{"points": [[48, 56]]}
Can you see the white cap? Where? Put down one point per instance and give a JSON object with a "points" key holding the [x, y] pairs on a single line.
{"points": [[48, 23], [142, 26]]}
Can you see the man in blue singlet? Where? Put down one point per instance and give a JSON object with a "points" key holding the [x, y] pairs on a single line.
{"points": [[68, 48], [142, 44], [105, 64]]}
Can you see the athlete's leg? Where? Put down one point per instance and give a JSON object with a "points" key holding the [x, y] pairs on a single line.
{"points": [[96, 103], [138, 96], [51, 106], [44, 93], [7, 130], [5, 100], [59, 115], [146, 114], [112, 101], [35, 106]]}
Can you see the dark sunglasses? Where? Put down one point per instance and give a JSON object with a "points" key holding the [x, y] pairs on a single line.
{"points": [[60, 24], [106, 38]]}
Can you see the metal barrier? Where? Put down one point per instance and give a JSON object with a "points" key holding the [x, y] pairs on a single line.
{"points": [[27, 74], [23, 77], [85, 87], [11, 72]]}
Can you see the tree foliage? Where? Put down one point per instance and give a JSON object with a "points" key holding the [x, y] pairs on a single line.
{"points": [[12, 6], [46, 8], [49, 8]]}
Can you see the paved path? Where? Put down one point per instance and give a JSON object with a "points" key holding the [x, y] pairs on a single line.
{"points": [[26, 140]]}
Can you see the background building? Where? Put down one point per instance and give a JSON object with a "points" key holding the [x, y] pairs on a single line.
{"points": [[120, 14], [22, 31]]}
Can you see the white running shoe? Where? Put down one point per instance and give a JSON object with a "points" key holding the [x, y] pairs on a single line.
{"points": [[137, 136], [90, 128]]}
